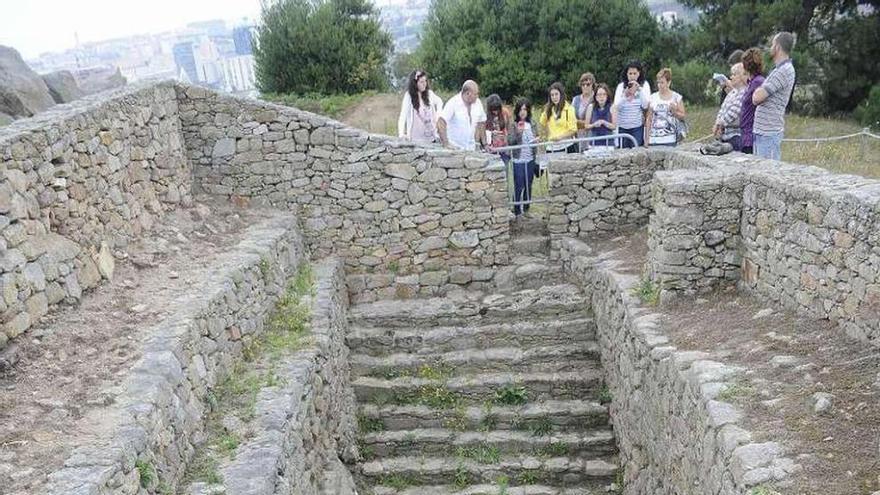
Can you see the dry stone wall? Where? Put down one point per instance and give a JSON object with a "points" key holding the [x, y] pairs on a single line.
{"points": [[694, 232], [305, 426], [591, 196], [674, 434], [802, 237], [157, 418], [76, 182], [428, 218]]}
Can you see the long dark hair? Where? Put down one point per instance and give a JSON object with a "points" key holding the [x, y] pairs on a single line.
{"points": [[412, 88], [520, 103], [550, 108], [609, 97], [633, 64]]}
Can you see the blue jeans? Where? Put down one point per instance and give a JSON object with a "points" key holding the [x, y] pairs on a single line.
{"points": [[769, 145], [637, 132], [523, 175]]}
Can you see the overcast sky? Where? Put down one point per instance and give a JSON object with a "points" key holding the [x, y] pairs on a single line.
{"points": [[36, 26]]}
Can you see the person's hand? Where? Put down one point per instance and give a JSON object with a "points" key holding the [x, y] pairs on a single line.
{"points": [[717, 130]]}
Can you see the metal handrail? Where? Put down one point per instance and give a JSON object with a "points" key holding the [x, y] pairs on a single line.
{"points": [[493, 163], [609, 137]]}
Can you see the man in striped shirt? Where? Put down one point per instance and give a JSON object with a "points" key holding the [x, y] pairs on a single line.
{"points": [[772, 98]]}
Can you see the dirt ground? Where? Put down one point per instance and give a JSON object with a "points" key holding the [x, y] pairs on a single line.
{"points": [[788, 359], [72, 361], [377, 114]]}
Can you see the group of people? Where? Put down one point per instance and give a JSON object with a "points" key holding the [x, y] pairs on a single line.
{"points": [[751, 117]]}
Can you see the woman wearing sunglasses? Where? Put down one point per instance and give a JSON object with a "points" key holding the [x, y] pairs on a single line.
{"points": [[581, 104]]}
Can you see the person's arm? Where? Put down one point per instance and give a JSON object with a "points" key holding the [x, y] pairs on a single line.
{"points": [[649, 117], [772, 84], [441, 131], [443, 123], [436, 105], [405, 115], [618, 95], [613, 124], [645, 95], [480, 134], [588, 122], [571, 123], [544, 132], [680, 112]]}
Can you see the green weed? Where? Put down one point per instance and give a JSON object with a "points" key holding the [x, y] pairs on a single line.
{"points": [[647, 291], [511, 395]]}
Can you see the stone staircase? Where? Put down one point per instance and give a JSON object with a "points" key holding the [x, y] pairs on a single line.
{"points": [[474, 394]]}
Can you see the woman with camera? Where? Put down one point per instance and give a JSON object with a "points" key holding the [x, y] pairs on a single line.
{"points": [[631, 100]]}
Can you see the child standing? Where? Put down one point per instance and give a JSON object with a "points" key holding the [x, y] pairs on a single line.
{"points": [[524, 166]]}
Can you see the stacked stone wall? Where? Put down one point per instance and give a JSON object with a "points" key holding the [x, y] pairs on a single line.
{"points": [[428, 219], [694, 232], [304, 427], [590, 196], [802, 237], [674, 434], [157, 419], [76, 182]]}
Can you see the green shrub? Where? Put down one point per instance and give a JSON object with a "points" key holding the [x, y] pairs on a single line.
{"points": [[868, 112], [693, 80]]}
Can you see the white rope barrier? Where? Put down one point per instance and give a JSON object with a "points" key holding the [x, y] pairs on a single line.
{"points": [[863, 132]]}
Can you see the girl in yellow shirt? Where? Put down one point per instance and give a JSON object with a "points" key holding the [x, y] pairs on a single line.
{"points": [[558, 120]]}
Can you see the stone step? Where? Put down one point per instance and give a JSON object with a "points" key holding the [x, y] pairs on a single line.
{"points": [[564, 357], [502, 388], [484, 489], [471, 309], [524, 226], [574, 472], [518, 332], [561, 415], [531, 275], [530, 244], [543, 442]]}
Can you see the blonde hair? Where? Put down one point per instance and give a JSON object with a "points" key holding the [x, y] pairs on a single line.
{"points": [[665, 73]]}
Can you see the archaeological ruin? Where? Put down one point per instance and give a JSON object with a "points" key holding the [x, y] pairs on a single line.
{"points": [[204, 294]]}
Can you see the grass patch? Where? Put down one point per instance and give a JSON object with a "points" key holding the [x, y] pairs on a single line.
{"points": [[457, 420], [859, 156], [511, 395], [236, 394], [370, 425], [438, 371], [396, 481], [462, 478], [647, 291], [483, 454], [736, 390], [604, 395], [330, 105], [503, 483], [529, 477], [146, 473], [541, 427], [553, 449]]}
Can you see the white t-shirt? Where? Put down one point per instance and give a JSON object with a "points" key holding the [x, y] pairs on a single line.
{"points": [[461, 127], [662, 121]]}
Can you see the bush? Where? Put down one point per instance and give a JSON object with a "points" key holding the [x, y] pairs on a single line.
{"points": [[693, 79], [322, 46], [868, 112]]}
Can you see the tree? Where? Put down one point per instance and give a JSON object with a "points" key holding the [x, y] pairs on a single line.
{"points": [[519, 47], [321, 46], [835, 39]]}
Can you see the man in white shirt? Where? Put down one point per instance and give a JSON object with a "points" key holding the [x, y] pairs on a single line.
{"points": [[462, 121]]}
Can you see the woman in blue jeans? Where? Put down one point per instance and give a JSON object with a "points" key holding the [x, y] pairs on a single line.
{"points": [[631, 100], [525, 169]]}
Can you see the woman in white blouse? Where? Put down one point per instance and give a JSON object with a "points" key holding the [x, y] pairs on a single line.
{"points": [[419, 110], [631, 100]]}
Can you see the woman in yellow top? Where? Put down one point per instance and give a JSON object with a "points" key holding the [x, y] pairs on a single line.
{"points": [[558, 120]]}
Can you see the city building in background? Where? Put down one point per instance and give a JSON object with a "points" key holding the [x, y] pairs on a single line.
{"points": [[212, 53]]}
